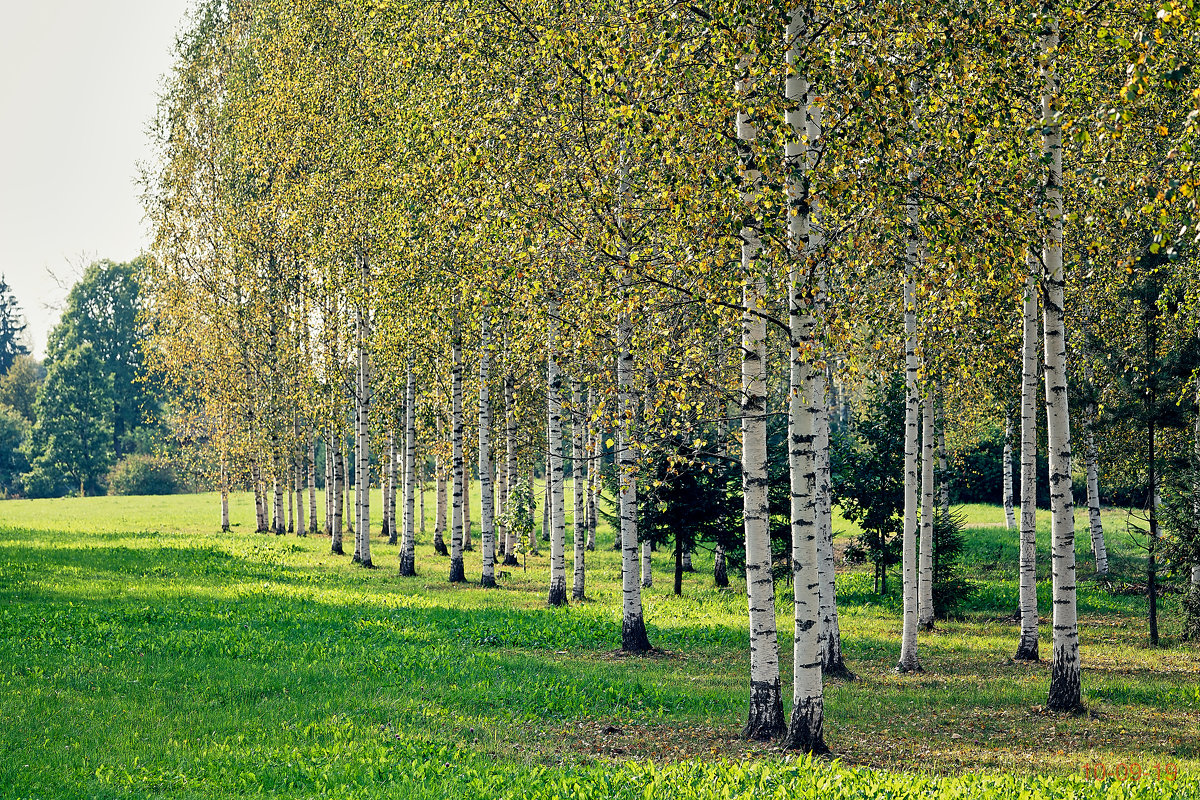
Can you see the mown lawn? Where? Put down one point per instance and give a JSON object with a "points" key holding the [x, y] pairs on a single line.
{"points": [[143, 653]]}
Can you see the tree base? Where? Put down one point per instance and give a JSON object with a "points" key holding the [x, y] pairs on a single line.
{"points": [[468, 548], [591, 547], [925, 626], [838, 670], [337, 549], [1027, 650], [408, 569], [367, 563], [393, 541], [633, 635], [805, 731], [488, 582], [439, 547], [558, 593], [457, 575], [577, 595], [511, 561], [1065, 693], [765, 720], [721, 577], [906, 669]]}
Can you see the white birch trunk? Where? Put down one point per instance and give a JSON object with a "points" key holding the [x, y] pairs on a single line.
{"points": [[633, 625], [339, 490], [512, 469], [457, 573], [554, 475], [389, 491], [408, 566], [1010, 521], [832, 662], [806, 399], [1065, 689], [578, 521], [765, 717], [468, 545], [439, 472], [362, 471], [289, 480], [487, 515], [260, 514], [647, 563], [942, 474], [224, 496], [1095, 524], [311, 470], [1027, 647], [329, 493], [908, 642], [301, 473], [593, 470], [925, 613]]}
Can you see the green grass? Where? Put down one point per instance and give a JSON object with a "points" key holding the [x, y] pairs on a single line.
{"points": [[144, 654]]}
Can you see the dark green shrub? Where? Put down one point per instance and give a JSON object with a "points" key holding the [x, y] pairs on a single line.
{"points": [[142, 474]]}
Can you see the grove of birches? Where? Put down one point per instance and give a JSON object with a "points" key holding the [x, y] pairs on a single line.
{"points": [[631, 243]]}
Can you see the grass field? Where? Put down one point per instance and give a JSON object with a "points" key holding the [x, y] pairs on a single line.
{"points": [[145, 654]]}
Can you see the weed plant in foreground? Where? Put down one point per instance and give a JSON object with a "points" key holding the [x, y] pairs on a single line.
{"points": [[144, 654]]}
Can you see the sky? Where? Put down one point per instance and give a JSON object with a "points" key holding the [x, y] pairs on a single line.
{"points": [[79, 83]]}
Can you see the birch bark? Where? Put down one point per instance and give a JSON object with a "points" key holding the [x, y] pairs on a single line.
{"points": [[633, 625], [554, 475], [487, 517], [1065, 689], [908, 642], [1010, 521], [806, 392], [1027, 647], [362, 470], [1095, 524], [765, 719], [408, 566], [578, 521], [457, 574], [512, 469], [439, 469], [925, 608]]}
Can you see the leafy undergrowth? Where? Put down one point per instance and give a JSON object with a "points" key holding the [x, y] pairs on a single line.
{"points": [[143, 654]]}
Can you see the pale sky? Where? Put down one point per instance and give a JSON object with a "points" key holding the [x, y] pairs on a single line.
{"points": [[78, 87]]}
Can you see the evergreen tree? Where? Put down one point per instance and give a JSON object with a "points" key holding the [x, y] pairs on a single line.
{"points": [[868, 477], [11, 328]]}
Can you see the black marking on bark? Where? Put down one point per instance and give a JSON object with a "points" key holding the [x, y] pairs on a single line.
{"points": [[1027, 650], [633, 635], [805, 733], [765, 719], [1065, 692], [558, 593]]}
